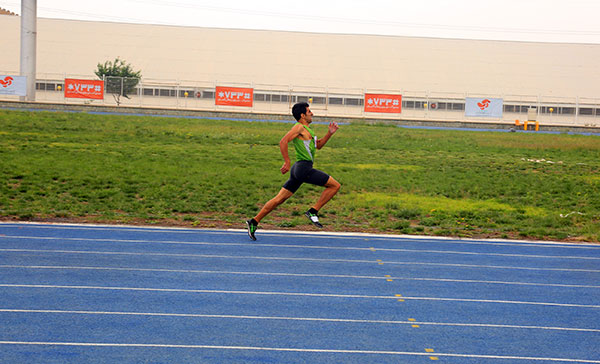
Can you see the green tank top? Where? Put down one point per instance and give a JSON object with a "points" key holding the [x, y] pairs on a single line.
{"points": [[305, 149]]}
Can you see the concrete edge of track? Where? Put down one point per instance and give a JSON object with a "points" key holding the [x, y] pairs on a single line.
{"points": [[300, 232]]}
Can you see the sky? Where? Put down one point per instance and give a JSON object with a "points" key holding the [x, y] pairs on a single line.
{"points": [[573, 21]]}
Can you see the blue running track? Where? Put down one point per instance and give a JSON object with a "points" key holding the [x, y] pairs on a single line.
{"points": [[110, 294]]}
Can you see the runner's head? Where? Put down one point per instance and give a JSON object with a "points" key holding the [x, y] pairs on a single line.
{"points": [[302, 108], [298, 109]]}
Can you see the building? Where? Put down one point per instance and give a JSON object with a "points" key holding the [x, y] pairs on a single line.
{"points": [[196, 58]]}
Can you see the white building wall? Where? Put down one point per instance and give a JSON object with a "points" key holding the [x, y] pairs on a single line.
{"points": [[364, 62]]}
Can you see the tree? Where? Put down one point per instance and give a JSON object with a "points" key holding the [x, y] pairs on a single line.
{"points": [[119, 78]]}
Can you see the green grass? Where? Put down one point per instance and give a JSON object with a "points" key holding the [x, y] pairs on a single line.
{"points": [[209, 173]]}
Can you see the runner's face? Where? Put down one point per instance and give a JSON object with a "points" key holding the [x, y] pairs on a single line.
{"points": [[308, 116]]}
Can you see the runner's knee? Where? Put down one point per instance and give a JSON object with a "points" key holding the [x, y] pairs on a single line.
{"points": [[281, 199], [332, 183], [282, 196]]}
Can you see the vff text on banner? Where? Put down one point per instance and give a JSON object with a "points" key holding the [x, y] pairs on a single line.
{"points": [[383, 103], [84, 89], [234, 96]]}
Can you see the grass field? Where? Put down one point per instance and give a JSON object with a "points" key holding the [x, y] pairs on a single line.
{"points": [[209, 173]]}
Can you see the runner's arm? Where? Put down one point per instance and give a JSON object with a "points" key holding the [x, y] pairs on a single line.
{"points": [[283, 146], [333, 127]]}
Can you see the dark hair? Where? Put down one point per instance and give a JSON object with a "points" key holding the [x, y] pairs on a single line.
{"points": [[299, 109]]}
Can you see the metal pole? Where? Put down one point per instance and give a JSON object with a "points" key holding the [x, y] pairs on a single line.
{"points": [[104, 96], [576, 109], [141, 92], [28, 46], [177, 94]]}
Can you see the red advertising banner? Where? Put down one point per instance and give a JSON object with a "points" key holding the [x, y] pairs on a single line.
{"points": [[84, 89], [383, 103], [234, 96]]}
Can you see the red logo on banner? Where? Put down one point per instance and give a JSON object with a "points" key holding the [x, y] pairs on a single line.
{"points": [[234, 96], [84, 89], [484, 104], [7, 81], [383, 103]]}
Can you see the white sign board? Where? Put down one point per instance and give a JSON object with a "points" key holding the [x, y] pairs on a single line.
{"points": [[483, 107], [13, 85]]}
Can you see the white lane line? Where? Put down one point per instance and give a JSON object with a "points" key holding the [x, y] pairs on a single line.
{"points": [[296, 294], [286, 318], [233, 257], [301, 350], [287, 233], [282, 274], [295, 246]]}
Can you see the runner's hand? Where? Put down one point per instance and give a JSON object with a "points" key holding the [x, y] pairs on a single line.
{"points": [[285, 167], [333, 127]]}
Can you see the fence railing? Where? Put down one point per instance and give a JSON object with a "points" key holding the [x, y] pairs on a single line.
{"points": [[339, 102]]}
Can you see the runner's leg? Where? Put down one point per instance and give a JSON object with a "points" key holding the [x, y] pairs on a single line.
{"points": [[331, 188], [283, 195]]}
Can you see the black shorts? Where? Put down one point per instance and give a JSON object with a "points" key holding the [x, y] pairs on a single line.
{"points": [[303, 171]]}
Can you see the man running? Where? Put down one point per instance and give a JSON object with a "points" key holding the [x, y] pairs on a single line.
{"points": [[305, 144]]}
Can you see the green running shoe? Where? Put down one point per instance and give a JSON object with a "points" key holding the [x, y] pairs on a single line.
{"points": [[314, 218], [251, 229]]}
